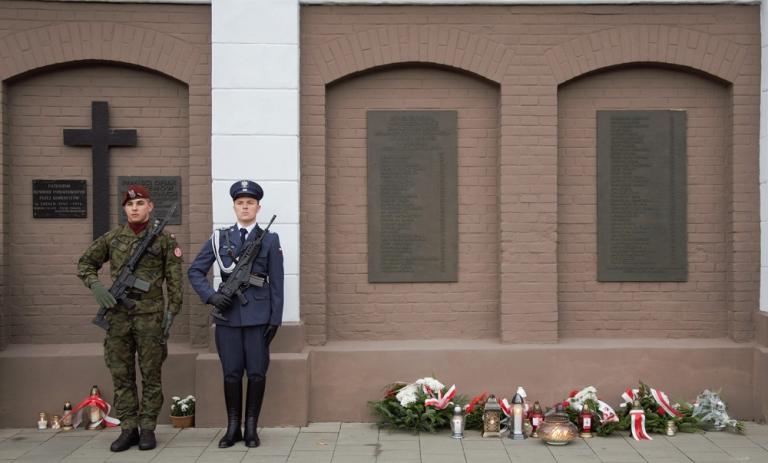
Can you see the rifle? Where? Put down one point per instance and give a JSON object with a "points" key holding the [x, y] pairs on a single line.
{"points": [[241, 277], [127, 280]]}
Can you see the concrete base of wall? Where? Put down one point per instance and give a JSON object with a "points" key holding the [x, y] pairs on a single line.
{"points": [[334, 382]]}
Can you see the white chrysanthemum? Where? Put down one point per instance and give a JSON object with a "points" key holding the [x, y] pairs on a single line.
{"points": [[190, 398], [407, 395], [175, 398], [184, 407], [432, 383]]}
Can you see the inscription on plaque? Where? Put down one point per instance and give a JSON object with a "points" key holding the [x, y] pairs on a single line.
{"points": [[164, 190], [641, 196], [59, 199], [412, 196]]}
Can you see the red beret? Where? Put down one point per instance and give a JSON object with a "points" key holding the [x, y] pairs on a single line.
{"points": [[134, 192]]}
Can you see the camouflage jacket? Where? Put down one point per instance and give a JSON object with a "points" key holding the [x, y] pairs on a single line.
{"points": [[162, 261]]}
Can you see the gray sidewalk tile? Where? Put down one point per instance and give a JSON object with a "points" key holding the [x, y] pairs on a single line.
{"points": [[219, 457], [397, 455], [254, 458], [353, 459], [322, 427], [310, 457], [317, 441]]}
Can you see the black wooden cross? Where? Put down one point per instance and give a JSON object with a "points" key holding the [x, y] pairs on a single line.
{"points": [[100, 137]]}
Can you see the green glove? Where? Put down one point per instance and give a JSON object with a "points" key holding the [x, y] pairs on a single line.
{"points": [[102, 295], [167, 322]]}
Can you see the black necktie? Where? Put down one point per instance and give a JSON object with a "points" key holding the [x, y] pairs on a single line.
{"points": [[243, 235]]}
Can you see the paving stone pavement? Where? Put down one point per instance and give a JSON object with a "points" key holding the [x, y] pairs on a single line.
{"points": [[364, 443]]}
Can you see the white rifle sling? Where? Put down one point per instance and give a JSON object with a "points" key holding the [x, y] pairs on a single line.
{"points": [[215, 243]]}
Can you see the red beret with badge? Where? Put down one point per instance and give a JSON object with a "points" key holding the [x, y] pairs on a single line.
{"points": [[135, 192]]}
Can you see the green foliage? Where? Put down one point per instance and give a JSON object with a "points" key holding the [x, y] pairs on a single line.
{"points": [[414, 417]]}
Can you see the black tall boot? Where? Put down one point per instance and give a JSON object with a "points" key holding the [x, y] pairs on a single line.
{"points": [[252, 409], [233, 398]]}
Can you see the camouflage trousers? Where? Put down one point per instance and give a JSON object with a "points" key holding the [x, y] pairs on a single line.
{"points": [[130, 334]]}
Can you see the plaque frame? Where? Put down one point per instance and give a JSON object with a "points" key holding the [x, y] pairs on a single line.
{"points": [[413, 224], [642, 196]]}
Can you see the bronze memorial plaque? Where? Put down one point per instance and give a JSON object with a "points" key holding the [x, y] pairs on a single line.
{"points": [[641, 196], [412, 196]]}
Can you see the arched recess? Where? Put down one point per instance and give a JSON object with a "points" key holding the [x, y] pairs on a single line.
{"points": [[57, 46], [352, 54], [721, 62]]}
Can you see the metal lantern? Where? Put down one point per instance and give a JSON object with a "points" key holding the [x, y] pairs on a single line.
{"points": [[492, 418], [518, 407], [457, 422]]}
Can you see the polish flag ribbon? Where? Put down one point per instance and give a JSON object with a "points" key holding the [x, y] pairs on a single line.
{"points": [[97, 401], [441, 401], [629, 395], [638, 425], [506, 407], [661, 398], [608, 413]]}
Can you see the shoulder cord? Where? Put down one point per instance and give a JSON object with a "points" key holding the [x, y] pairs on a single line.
{"points": [[215, 243]]}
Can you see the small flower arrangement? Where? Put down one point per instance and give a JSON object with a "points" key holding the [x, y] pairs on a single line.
{"points": [[183, 407]]}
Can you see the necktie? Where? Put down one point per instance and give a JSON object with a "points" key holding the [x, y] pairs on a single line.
{"points": [[243, 235]]}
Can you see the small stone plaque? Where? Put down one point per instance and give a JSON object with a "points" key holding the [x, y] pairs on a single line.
{"points": [[59, 199], [641, 196], [412, 196], [164, 190]]}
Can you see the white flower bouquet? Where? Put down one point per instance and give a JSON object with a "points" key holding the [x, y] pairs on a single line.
{"points": [[183, 407]]}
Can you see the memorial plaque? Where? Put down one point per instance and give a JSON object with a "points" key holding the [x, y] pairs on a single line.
{"points": [[164, 190], [59, 199], [412, 196], [641, 196]]}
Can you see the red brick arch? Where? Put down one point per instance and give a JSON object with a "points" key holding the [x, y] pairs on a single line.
{"points": [[77, 41], [412, 44], [660, 44]]}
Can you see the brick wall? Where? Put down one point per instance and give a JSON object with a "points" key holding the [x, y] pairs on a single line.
{"points": [[47, 302], [530, 51], [696, 308], [168, 100], [466, 309]]}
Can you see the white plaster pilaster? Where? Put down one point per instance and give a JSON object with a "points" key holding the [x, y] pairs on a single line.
{"points": [[255, 123]]}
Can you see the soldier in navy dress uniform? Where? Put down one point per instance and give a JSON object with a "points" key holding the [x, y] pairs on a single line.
{"points": [[243, 339]]}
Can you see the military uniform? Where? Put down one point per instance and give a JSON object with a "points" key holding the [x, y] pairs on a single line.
{"points": [[243, 339], [138, 330]]}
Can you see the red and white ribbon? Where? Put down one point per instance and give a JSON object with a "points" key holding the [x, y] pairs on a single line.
{"points": [[102, 405], [638, 425], [441, 401], [663, 401], [629, 396], [658, 396], [608, 413], [506, 407]]}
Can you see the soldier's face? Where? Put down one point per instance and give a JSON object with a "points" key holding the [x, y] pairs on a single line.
{"points": [[137, 210], [246, 209]]}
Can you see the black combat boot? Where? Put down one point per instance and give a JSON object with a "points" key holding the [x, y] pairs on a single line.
{"points": [[127, 439], [233, 398], [147, 439], [252, 409]]}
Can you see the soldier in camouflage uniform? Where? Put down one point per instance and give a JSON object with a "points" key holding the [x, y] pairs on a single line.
{"points": [[142, 330]]}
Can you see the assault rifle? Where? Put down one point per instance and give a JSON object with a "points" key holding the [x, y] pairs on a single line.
{"points": [[127, 280], [241, 277]]}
